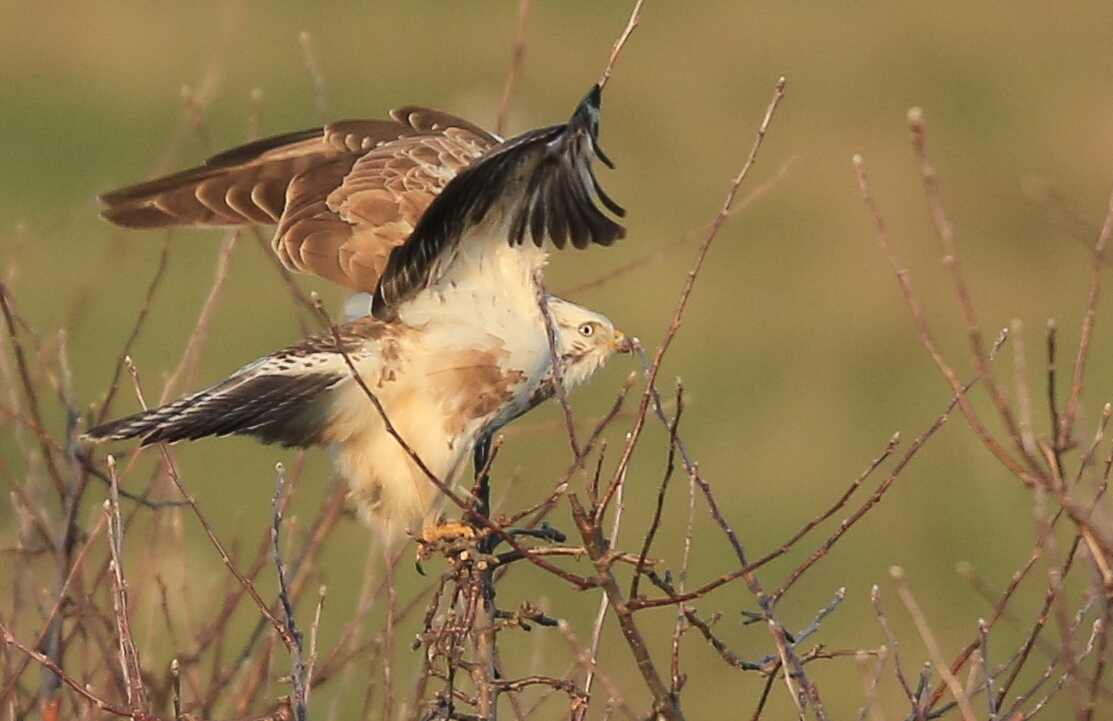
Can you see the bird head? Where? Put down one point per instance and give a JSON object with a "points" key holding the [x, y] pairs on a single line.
{"points": [[585, 341]]}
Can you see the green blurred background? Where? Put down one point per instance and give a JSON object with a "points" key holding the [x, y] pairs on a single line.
{"points": [[798, 354]]}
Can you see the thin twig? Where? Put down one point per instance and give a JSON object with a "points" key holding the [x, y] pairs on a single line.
{"points": [[292, 632], [29, 390], [192, 352], [662, 489], [604, 601], [140, 321], [950, 260], [933, 647], [925, 334], [872, 680], [663, 703], [656, 256], [635, 16], [557, 365], [244, 581], [913, 697], [129, 657], [1023, 400], [686, 293], [73, 683], [1087, 329], [516, 62]]}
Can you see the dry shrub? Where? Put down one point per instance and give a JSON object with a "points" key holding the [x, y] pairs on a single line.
{"points": [[69, 606]]}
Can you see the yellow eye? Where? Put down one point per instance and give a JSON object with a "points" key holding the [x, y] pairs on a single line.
{"points": [[587, 330]]}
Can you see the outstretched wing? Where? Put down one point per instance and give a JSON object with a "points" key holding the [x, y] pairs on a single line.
{"points": [[538, 185], [343, 196], [284, 398]]}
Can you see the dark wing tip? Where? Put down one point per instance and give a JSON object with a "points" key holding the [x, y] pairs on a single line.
{"points": [[541, 180], [587, 119], [562, 194], [587, 112]]}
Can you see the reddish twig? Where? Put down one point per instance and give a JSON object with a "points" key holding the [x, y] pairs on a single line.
{"points": [[293, 636], [1086, 333], [29, 390], [635, 16], [662, 489], [557, 364], [656, 256], [894, 646], [516, 62], [929, 640], [73, 683], [192, 352], [925, 334], [686, 293], [129, 657], [140, 321], [882, 489], [663, 703], [950, 260]]}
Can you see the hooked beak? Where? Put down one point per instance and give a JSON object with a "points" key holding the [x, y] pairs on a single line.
{"points": [[621, 343]]}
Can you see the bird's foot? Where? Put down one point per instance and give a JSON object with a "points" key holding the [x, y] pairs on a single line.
{"points": [[446, 531], [450, 538]]}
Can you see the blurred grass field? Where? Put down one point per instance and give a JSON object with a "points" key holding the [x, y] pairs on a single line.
{"points": [[798, 354]]}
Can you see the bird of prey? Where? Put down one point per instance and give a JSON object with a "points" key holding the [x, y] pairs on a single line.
{"points": [[445, 226]]}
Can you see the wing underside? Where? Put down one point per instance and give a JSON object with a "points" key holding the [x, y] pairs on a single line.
{"points": [[284, 409], [283, 398], [537, 187]]}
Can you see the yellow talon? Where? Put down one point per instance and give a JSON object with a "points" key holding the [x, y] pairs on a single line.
{"points": [[447, 531]]}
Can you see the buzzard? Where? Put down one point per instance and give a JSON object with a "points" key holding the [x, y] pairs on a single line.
{"points": [[443, 226]]}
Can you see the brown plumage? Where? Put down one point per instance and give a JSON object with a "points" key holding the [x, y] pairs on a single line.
{"points": [[368, 204], [343, 196]]}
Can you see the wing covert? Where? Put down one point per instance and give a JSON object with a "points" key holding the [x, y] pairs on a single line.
{"points": [[343, 196]]}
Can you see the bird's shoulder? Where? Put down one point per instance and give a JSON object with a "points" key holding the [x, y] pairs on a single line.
{"points": [[330, 351]]}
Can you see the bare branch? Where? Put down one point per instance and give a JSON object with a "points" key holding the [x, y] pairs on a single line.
{"points": [[635, 15], [1087, 329], [686, 293], [929, 640], [129, 657], [516, 63], [293, 636]]}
